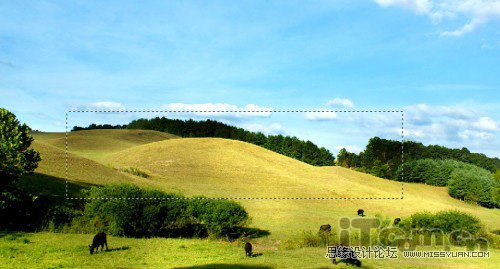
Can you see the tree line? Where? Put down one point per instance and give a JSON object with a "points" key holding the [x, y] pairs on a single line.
{"points": [[468, 176], [291, 146], [383, 157]]}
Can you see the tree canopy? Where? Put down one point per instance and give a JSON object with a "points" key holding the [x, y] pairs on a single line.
{"points": [[16, 157]]}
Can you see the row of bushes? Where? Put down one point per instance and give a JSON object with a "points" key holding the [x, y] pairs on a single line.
{"points": [[465, 181], [127, 210], [448, 222]]}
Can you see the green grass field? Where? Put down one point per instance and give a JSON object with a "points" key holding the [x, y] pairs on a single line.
{"points": [[220, 168], [48, 250]]}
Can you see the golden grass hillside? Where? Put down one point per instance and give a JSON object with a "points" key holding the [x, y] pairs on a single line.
{"points": [[227, 168], [85, 147], [94, 144]]}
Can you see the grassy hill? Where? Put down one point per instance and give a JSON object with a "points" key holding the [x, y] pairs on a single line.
{"points": [[94, 144], [226, 168]]}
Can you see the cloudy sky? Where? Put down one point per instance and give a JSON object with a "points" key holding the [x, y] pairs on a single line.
{"points": [[435, 60]]}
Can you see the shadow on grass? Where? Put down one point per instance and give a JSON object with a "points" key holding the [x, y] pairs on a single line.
{"points": [[118, 249], [12, 235], [225, 266], [55, 187], [249, 233]]}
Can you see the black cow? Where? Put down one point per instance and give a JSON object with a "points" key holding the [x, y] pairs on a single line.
{"points": [[248, 249], [397, 221], [346, 255], [361, 212], [325, 228], [98, 241]]}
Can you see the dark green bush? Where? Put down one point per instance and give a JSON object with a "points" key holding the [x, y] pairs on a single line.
{"points": [[22, 211], [167, 215], [59, 216], [474, 185], [446, 221], [219, 216]]}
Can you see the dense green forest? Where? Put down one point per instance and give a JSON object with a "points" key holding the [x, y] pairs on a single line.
{"points": [[468, 176], [465, 181], [304, 151], [383, 157]]}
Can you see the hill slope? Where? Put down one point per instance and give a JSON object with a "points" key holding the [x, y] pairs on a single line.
{"points": [[95, 144], [227, 168]]}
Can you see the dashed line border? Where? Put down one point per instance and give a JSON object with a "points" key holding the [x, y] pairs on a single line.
{"points": [[234, 111]]}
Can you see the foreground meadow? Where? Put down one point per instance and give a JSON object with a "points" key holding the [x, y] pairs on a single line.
{"points": [[218, 168], [49, 250]]}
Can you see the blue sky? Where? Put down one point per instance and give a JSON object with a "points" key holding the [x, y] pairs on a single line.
{"points": [[435, 60]]}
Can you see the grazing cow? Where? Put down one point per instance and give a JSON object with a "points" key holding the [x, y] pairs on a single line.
{"points": [[325, 228], [346, 255], [361, 212], [98, 241], [248, 249], [397, 221]]}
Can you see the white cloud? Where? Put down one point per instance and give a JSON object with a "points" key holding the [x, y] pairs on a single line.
{"points": [[339, 102], [477, 12], [448, 123], [219, 110], [486, 123], [473, 134], [103, 106], [350, 148], [320, 115], [469, 27], [453, 126], [419, 6], [267, 129]]}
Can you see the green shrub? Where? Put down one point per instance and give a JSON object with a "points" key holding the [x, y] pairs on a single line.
{"points": [[219, 216], [21, 211], [146, 213], [496, 188], [58, 217], [311, 239], [474, 185], [446, 221]]}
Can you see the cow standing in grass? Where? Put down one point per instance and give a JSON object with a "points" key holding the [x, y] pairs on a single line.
{"points": [[248, 249], [326, 228], [345, 255], [99, 241], [361, 212]]}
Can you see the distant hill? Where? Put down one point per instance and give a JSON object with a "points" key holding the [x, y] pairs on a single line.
{"points": [[305, 151], [228, 168]]}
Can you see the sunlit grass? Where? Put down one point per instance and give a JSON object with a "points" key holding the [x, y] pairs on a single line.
{"points": [[49, 250], [226, 168]]}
